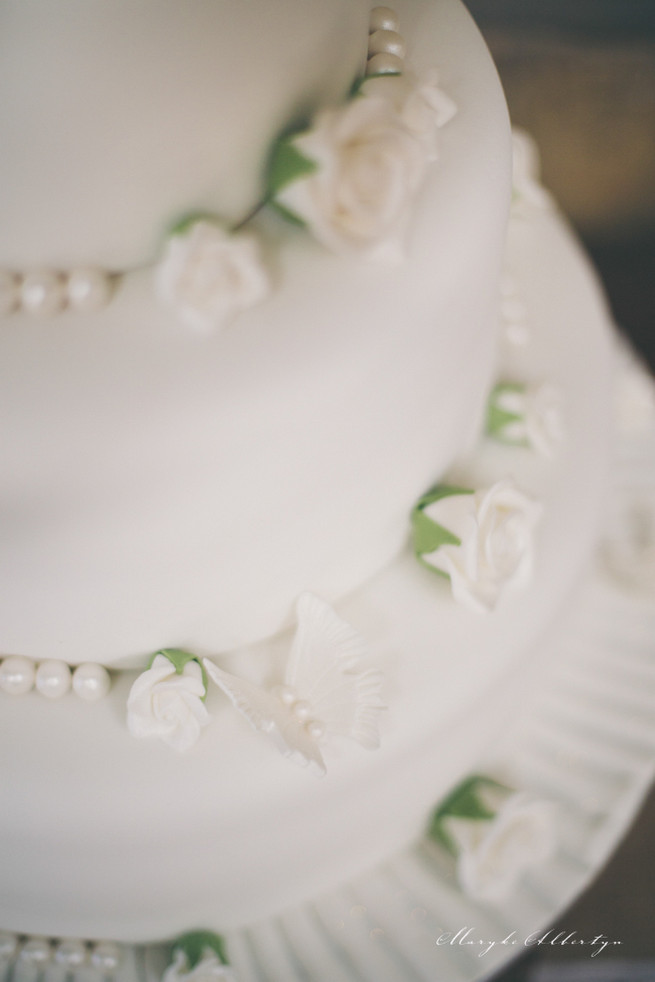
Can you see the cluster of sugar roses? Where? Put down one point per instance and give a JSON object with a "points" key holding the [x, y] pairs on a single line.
{"points": [[350, 178], [482, 540]]}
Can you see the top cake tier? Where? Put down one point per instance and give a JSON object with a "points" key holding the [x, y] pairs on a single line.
{"points": [[161, 487], [117, 118]]}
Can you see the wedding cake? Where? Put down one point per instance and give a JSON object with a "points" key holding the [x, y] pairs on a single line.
{"points": [[297, 450]]}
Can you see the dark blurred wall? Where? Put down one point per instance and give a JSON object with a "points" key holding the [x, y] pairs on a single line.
{"points": [[603, 18], [580, 76]]}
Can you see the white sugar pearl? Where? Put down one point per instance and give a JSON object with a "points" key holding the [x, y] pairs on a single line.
{"points": [[88, 289], [36, 951], [383, 19], [316, 729], [517, 334], [384, 64], [91, 682], [302, 709], [17, 675], [106, 957], [71, 953], [43, 292], [286, 694], [8, 946], [386, 41], [53, 678], [9, 291]]}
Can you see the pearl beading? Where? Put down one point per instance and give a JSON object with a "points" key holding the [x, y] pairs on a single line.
{"points": [[46, 292], [515, 328], [301, 710], [386, 46], [53, 678], [70, 954]]}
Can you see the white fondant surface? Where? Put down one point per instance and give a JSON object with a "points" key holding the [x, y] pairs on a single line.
{"points": [[119, 118], [162, 489], [126, 839]]}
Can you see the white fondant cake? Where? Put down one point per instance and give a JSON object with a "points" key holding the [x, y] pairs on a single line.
{"points": [[169, 490]]}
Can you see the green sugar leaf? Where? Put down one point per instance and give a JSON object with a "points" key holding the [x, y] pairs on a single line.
{"points": [[196, 943], [184, 224], [287, 164], [463, 802], [178, 659], [440, 491], [359, 82], [428, 535], [287, 214], [498, 419]]}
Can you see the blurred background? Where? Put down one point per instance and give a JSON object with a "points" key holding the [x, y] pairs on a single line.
{"points": [[579, 75]]}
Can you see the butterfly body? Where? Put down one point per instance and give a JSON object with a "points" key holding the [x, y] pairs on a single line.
{"points": [[324, 694]]}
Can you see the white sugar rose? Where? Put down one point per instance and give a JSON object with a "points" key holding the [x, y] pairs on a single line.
{"points": [[209, 969], [168, 704], [493, 854], [422, 106], [489, 545], [367, 168], [530, 416], [209, 275]]}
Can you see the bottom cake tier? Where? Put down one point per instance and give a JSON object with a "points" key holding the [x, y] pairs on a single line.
{"points": [[107, 837]]}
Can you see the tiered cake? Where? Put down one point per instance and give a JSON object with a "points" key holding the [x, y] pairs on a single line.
{"points": [[252, 315]]}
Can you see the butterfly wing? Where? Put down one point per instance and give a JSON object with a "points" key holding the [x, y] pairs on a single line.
{"points": [[325, 669], [259, 707], [268, 714]]}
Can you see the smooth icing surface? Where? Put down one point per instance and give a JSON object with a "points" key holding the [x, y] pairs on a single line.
{"points": [[117, 119], [162, 489], [231, 831]]}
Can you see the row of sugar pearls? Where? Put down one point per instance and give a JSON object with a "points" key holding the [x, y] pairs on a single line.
{"points": [[53, 678], [70, 953], [386, 47], [73, 953], [46, 292], [514, 319]]}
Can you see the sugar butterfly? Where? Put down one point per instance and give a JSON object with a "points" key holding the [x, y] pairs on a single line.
{"points": [[324, 694]]}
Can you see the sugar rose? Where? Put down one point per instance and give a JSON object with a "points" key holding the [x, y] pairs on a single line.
{"points": [[484, 540], [366, 169], [419, 102], [208, 275], [168, 704], [494, 854]]}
